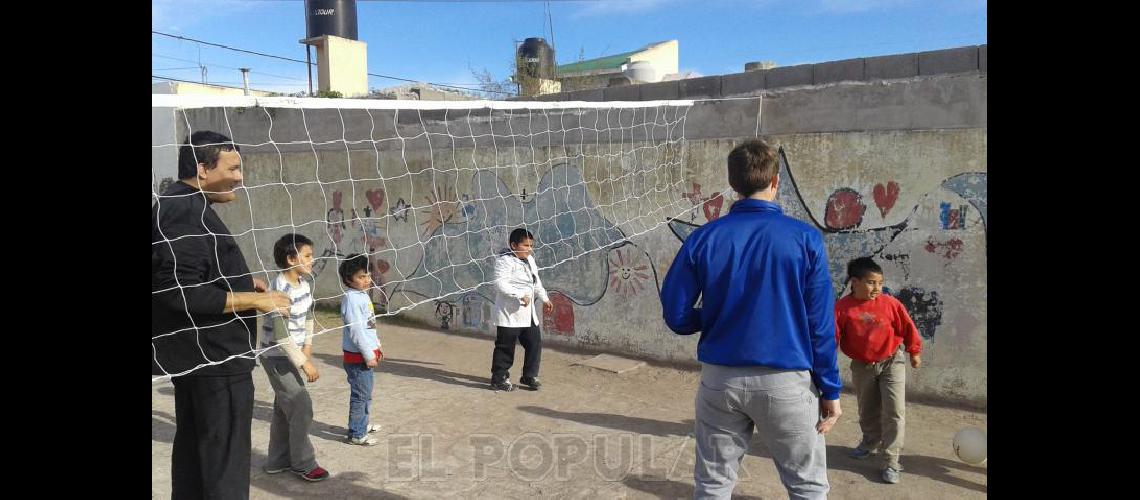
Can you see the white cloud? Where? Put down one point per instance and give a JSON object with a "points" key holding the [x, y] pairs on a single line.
{"points": [[852, 6], [605, 8], [966, 5], [861, 6], [179, 15], [858, 6]]}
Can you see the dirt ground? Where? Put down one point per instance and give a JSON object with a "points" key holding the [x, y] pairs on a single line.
{"points": [[586, 434]]}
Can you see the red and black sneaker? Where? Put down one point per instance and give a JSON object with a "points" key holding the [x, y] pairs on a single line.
{"points": [[317, 474]]}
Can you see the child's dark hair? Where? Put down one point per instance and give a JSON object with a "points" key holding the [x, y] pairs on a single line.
{"points": [[289, 246], [861, 267], [352, 264], [520, 235]]}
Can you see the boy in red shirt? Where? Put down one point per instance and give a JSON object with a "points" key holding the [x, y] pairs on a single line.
{"points": [[871, 328]]}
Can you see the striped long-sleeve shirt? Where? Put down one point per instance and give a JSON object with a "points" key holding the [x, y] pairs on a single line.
{"points": [[295, 329]]}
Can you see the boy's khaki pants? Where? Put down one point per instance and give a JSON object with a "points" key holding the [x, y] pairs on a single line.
{"points": [[881, 389]]}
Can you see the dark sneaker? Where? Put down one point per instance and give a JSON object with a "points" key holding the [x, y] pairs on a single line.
{"points": [[860, 453], [505, 386], [317, 474], [531, 382]]}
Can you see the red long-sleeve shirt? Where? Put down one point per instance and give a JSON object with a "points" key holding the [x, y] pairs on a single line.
{"points": [[871, 330]]}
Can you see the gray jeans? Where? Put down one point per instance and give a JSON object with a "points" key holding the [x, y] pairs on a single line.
{"points": [[781, 405], [881, 389], [289, 444]]}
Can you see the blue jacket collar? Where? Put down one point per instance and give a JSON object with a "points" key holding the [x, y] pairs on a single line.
{"points": [[752, 205]]}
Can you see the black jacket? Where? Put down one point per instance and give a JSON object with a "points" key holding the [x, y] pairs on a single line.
{"points": [[194, 264]]}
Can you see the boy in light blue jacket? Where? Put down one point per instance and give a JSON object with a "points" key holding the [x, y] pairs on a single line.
{"points": [[361, 346]]}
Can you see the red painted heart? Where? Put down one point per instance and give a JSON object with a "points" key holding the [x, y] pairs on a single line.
{"points": [[885, 197], [375, 198], [712, 207]]}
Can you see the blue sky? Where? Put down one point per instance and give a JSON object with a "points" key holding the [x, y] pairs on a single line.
{"points": [[441, 41]]}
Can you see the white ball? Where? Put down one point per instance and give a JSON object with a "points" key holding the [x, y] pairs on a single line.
{"points": [[970, 445]]}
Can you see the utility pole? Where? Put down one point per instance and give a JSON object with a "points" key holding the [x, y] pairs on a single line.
{"points": [[245, 80]]}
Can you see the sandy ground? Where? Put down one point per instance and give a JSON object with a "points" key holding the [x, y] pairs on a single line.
{"points": [[587, 434]]}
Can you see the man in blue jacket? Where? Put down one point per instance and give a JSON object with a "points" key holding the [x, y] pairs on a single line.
{"points": [[767, 348]]}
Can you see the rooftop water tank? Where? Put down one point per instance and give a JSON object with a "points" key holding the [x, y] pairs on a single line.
{"points": [[330, 17], [640, 72], [535, 59]]}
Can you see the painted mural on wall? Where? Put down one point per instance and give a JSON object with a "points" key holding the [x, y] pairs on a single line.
{"points": [[435, 247], [585, 254], [431, 230], [451, 239], [561, 321], [361, 232], [709, 205], [846, 239]]}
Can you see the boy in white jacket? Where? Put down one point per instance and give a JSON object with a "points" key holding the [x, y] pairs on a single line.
{"points": [[516, 286]]}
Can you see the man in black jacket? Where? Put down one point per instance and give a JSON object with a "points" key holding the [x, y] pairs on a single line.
{"points": [[204, 303]]}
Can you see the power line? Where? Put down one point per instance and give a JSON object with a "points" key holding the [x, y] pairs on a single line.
{"points": [[233, 85], [227, 47], [222, 66], [262, 73], [303, 62]]}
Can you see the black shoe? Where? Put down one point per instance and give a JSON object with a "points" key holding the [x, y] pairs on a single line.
{"points": [[531, 382], [505, 386]]}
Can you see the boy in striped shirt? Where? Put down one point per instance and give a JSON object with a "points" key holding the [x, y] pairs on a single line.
{"points": [[290, 350]]}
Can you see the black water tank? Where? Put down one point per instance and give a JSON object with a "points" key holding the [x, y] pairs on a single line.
{"points": [[330, 17], [535, 59]]}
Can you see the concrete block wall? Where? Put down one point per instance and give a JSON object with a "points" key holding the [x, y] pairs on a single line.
{"points": [[893, 169]]}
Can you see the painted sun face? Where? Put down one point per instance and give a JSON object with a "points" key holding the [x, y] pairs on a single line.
{"points": [[628, 272]]}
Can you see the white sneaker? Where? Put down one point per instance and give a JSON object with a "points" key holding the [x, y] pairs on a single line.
{"points": [[363, 441], [891, 475], [372, 428]]}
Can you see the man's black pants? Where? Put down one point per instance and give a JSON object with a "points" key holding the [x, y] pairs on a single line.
{"points": [[212, 442]]}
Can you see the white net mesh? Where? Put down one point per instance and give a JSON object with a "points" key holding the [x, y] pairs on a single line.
{"points": [[428, 191]]}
